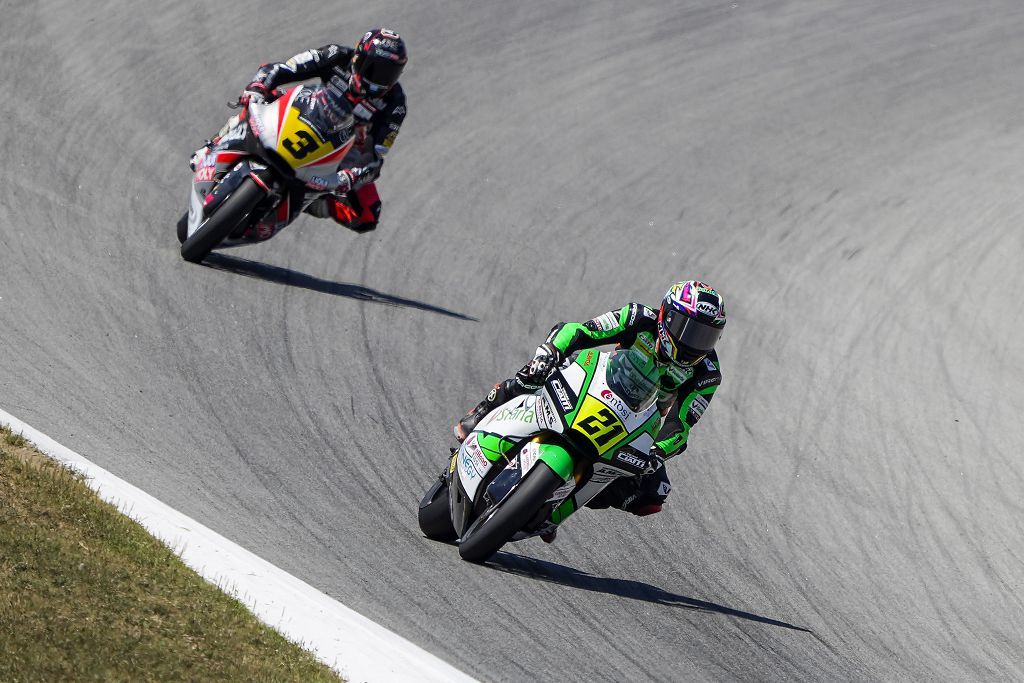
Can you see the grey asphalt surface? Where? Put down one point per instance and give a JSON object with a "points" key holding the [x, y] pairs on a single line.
{"points": [[847, 174]]}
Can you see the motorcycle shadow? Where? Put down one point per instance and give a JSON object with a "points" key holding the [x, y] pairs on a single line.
{"points": [[637, 590], [294, 278]]}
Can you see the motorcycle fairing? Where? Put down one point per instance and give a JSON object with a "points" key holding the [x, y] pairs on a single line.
{"points": [[298, 127], [575, 399]]}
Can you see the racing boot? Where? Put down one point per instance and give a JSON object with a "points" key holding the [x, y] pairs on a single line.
{"points": [[464, 426], [549, 536], [498, 395], [336, 208]]}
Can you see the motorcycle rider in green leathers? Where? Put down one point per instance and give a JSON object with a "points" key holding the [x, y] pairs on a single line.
{"points": [[680, 335]]}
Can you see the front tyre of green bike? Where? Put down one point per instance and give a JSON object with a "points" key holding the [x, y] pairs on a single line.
{"points": [[500, 522]]}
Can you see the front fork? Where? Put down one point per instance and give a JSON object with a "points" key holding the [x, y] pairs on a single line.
{"points": [[558, 458]]}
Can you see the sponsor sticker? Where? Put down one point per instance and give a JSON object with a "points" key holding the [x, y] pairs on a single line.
{"points": [[698, 406], [523, 413], [549, 420], [562, 395], [361, 111], [604, 474], [466, 465], [205, 174], [615, 402], [607, 322], [474, 462], [630, 459], [707, 308]]}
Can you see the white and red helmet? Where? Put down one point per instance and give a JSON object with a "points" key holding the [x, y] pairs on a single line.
{"points": [[690, 321]]}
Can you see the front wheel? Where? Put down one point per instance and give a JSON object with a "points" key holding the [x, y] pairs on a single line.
{"points": [[229, 215], [501, 521]]}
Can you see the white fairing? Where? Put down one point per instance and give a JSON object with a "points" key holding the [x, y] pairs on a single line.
{"points": [[266, 116], [516, 420], [195, 209], [525, 416], [265, 120]]}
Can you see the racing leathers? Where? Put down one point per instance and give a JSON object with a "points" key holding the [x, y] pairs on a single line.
{"points": [[684, 395], [377, 122]]}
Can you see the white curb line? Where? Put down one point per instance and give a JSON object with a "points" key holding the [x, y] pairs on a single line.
{"points": [[357, 648]]}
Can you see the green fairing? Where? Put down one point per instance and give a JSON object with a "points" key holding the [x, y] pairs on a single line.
{"points": [[558, 459], [493, 446], [559, 514], [588, 367]]}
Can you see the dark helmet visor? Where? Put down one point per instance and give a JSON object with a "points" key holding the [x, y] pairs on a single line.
{"points": [[691, 333], [381, 72]]}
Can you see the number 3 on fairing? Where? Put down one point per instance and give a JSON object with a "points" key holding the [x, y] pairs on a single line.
{"points": [[602, 426], [306, 144]]}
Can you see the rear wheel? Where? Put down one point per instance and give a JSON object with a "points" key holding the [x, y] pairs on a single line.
{"points": [[500, 522], [435, 514], [235, 210], [183, 228]]}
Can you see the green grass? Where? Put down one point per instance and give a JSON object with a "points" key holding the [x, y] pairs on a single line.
{"points": [[87, 594]]}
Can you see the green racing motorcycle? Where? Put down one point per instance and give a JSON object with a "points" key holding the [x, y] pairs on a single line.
{"points": [[535, 460]]}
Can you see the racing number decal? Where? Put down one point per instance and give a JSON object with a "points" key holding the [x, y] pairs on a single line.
{"points": [[306, 144], [599, 423], [602, 427]]}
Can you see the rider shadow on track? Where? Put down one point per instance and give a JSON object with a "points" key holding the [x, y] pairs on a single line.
{"points": [[293, 278], [637, 590]]}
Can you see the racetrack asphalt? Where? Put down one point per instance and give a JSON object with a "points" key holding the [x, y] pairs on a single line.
{"points": [[848, 175]]}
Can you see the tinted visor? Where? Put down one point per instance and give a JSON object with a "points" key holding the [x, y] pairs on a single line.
{"points": [[379, 73], [693, 338]]}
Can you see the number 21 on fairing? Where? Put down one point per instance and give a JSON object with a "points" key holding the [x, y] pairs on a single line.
{"points": [[599, 423]]}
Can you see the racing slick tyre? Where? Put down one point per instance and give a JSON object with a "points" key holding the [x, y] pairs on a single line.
{"points": [[435, 514], [183, 228], [232, 212], [501, 521]]}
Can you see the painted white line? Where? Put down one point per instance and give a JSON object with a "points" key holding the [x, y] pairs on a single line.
{"points": [[357, 648]]}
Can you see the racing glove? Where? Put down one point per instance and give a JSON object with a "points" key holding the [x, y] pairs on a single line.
{"points": [[256, 92], [656, 460], [546, 358], [347, 179]]}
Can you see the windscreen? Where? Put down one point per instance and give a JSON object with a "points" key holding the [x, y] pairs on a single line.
{"points": [[634, 377]]}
